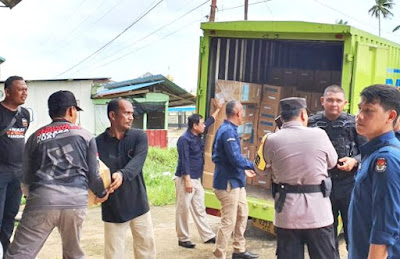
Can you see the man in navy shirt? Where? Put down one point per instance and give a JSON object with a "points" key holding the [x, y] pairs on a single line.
{"points": [[374, 213], [189, 191], [230, 173]]}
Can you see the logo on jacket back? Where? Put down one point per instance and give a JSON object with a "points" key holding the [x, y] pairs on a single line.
{"points": [[50, 132]]}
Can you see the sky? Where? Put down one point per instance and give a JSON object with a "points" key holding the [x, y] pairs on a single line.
{"points": [[124, 39]]}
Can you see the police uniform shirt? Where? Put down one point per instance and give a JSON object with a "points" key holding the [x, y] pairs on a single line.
{"points": [[300, 155], [374, 212]]}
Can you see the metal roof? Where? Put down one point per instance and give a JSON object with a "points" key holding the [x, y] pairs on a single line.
{"points": [[10, 3], [140, 86], [2, 60]]}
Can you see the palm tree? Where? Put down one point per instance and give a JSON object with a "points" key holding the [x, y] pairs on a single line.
{"points": [[342, 22], [381, 9]]}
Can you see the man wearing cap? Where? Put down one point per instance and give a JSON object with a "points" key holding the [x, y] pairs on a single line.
{"points": [[59, 167], [231, 169], [124, 150], [303, 213], [14, 122]]}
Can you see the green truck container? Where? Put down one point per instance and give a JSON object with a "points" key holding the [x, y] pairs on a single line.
{"points": [[247, 50]]}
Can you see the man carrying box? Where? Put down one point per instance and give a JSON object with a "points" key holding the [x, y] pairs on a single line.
{"points": [[189, 191], [124, 150], [59, 166]]}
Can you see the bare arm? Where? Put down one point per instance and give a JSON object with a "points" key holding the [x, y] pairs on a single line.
{"points": [[377, 251]]}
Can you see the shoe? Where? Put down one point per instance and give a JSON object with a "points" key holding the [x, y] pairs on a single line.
{"points": [[245, 255], [186, 244], [210, 241]]}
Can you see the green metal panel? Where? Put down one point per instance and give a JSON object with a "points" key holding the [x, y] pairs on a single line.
{"points": [[369, 68], [203, 70], [258, 208]]}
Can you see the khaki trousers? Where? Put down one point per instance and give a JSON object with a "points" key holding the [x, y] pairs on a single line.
{"points": [[193, 202], [234, 214], [36, 226], [143, 238]]}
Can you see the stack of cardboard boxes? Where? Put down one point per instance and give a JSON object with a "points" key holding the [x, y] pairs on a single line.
{"points": [[261, 107]]}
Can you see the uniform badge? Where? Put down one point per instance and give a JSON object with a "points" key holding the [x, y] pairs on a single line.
{"points": [[24, 122], [380, 165]]}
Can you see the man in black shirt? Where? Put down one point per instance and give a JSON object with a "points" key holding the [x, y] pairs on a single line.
{"points": [[189, 190], [124, 151], [14, 122]]}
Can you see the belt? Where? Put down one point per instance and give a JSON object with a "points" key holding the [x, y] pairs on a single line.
{"points": [[283, 189]]}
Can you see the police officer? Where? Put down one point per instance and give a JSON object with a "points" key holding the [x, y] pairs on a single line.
{"points": [[301, 185], [340, 127], [230, 173], [374, 224]]}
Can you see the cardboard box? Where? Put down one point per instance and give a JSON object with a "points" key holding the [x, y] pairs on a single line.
{"points": [[249, 180], [250, 112], [265, 126], [208, 179], [273, 94], [105, 174], [322, 80], [289, 77], [209, 165], [337, 78], [245, 130], [305, 80], [240, 91], [275, 76], [209, 141], [263, 180], [271, 108]]}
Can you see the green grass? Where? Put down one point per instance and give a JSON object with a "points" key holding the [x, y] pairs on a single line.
{"points": [[158, 171]]}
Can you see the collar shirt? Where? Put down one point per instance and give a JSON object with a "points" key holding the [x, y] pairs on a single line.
{"points": [[374, 212], [229, 162], [299, 155], [191, 153], [127, 156]]}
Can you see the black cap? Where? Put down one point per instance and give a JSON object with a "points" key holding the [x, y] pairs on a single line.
{"points": [[292, 103], [62, 99]]}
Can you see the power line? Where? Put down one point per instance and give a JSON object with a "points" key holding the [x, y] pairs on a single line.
{"points": [[136, 50], [112, 40], [161, 28], [150, 34], [329, 7], [235, 7]]}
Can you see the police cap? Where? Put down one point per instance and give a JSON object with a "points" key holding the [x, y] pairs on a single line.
{"points": [[292, 103]]}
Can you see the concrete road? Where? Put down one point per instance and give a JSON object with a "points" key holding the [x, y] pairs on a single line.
{"points": [[166, 241]]}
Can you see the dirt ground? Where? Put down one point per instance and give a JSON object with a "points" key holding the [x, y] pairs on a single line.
{"points": [[166, 241]]}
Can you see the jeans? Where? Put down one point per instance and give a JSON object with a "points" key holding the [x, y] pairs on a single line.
{"points": [[10, 199]]}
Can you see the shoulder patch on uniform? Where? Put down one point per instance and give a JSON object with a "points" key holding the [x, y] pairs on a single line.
{"points": [[380, 165], [231, 139]]}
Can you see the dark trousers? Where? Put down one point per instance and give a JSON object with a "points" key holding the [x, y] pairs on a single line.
{"points": [[320, 243], [340, 206], [10, 199]]}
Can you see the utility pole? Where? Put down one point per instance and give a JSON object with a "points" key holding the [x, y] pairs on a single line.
{"points": [[246, 9], [213, 7]]}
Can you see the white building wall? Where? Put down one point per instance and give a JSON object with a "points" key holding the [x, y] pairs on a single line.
{"points": [[39, 92]]}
